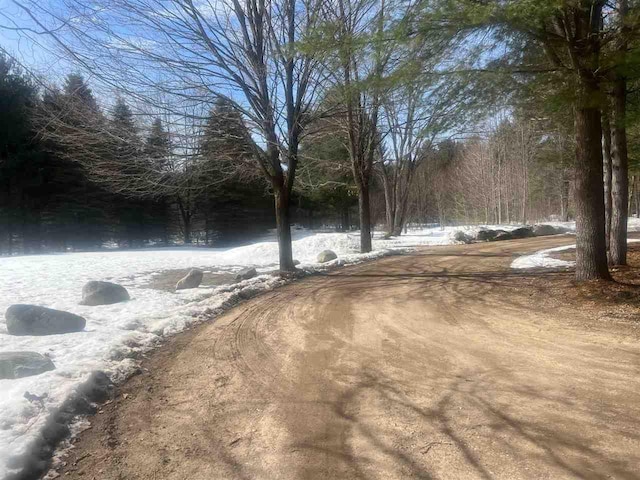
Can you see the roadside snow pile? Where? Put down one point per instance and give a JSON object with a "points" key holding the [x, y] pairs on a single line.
{"points": [[543, 259], [116, 334]]}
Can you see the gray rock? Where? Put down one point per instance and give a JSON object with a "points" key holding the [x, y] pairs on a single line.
{"points": [[461, 236], [487, 235], [35, 320], [296, 262], [326, 256], [103, 293], [545, 230], [522, 232], [246, 274], [23, 364], [502, 235], [192, 280]]}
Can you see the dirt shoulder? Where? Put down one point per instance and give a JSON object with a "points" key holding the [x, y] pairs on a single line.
{"points": [[440, 364]]}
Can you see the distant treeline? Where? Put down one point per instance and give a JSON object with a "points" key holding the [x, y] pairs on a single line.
{"points": [[48, 202]]}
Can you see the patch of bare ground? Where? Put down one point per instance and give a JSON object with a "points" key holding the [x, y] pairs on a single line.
{"points": [[606, 300]]}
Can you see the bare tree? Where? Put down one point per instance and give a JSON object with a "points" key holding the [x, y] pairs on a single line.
{"points": [[415, 115], [193, 53], [357, 59]]}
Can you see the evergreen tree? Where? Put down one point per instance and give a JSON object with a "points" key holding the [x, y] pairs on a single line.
{"points": [[158, 145]]}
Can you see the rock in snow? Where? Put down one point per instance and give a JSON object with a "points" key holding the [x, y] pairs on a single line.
{"points": [[35, 320], [23, 364], [461, 236], [486, 235], [502, 235], [326, 256], [246, 274], [522, 232], [192, 280], [545, 230], [103, 293]]}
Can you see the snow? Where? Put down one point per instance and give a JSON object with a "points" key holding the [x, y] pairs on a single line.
{"points": [[543, 259], [116, 333]]}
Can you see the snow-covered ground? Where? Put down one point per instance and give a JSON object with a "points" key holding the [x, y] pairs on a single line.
{"points": [[115, 333]]}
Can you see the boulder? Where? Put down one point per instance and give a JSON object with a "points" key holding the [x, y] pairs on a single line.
{"points": [[103, 293], [522, 232], [192, 280], [461, 236], [23, 364], [296, 262], [486, 235], [326, 256], [246, 274], [502, 235], [545, 230], [35, 320]]}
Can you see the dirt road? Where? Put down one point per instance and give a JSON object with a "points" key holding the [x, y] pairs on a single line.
{"points": [[441, 364]]}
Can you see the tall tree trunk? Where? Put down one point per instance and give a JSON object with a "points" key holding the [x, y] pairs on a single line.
{"points": [[401, 209], [283, 224], [564, 195], [389, 204], [620, 176], [365, 217], [591, 251], [345, 222], [606, 157], [185, 215]]}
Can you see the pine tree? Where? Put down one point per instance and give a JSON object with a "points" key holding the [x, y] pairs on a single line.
{"points": [[158, 145]]}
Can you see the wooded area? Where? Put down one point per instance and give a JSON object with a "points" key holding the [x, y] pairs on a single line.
{"points": [[224, 119]]}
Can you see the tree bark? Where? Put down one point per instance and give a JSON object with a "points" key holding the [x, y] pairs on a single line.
{"points": [[564, 196], [283, 224], [390, 209], [365, 218], [606, 154], [591, 251], [620, 176], [345, 222], [185, 215]]}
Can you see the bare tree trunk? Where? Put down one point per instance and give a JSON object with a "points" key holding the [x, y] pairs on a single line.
{"points": [[564, 196], [606, 154], [185, 215], [365, 217], [401, 210], [620, 176], [345, 222], [632, 197], [591, 251], [283, 223], [390, 208]]}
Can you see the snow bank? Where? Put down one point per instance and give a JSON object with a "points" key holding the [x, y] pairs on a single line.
{"points": [[542, 259]]}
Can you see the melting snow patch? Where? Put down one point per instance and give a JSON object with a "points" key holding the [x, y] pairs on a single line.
{"points": [[542, 259]]}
